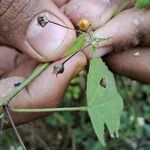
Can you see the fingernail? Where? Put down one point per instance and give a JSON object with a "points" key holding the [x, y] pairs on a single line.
{"points": [[46, 40]]}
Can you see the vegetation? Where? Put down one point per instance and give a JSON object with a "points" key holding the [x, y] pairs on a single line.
{"points": [[74, 129]]}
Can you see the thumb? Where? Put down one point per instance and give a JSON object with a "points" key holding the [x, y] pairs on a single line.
{"points": [[19, 28]]}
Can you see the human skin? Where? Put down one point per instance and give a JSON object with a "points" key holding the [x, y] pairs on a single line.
{"points": [[129, 31]]}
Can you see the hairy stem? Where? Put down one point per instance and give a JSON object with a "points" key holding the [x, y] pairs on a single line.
{"points": [[51, 109]]}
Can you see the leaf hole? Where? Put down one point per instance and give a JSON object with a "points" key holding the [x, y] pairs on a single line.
{"points": [[103, 82]]}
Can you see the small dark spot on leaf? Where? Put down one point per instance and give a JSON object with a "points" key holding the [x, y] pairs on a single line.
{"points": [[42, 21], [103, 82], [17, 84]]}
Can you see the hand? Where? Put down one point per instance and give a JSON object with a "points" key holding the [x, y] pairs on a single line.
{"points": [[38, 44], [19, 29], [129, 31]]}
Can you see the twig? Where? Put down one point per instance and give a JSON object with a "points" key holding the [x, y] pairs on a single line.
{"points": [[79, 31], [1, 126], [6, 99], [50, 109], [6, 108], [1, 123]]}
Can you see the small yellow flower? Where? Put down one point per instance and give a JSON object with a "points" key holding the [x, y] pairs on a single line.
{"points": [[83, 24]]}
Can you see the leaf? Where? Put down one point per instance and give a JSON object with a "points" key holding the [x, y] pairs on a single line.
{"points": [[104, 103], [76, 45], [80, 42], [143, 3]]}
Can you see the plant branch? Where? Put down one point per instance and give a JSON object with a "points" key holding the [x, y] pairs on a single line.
{"points": [[1, 121], [6, 108], [50, 109], [36, 72]]}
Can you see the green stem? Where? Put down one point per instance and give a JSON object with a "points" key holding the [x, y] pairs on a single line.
{"points": [[36, 72], [50, 109]]}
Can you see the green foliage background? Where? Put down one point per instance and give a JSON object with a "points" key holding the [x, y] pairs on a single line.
{"points": [[73, 131]]}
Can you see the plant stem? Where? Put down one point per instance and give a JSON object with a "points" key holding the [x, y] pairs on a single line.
{"points": [[36, 72], [51, 109], [1, 121], [79, 31], [6, 108], [76, 53]]}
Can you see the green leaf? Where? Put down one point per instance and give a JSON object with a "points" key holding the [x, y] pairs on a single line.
{"points": [[104, 103], [76, 45], [143, 3]]}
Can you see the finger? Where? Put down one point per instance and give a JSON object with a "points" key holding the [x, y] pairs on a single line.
{"points": [[46, 90], [23, 70], [98, 12], [133, 63], [60, 3], [129, 29], [10, 58], [19, 28]]}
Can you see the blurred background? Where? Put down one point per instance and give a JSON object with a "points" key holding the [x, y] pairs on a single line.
{"points": [[73, 130]]}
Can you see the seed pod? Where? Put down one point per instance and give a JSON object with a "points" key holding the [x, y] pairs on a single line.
{"points": [[103, 82], [42, 21], [83, 24], [58, 69]]}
